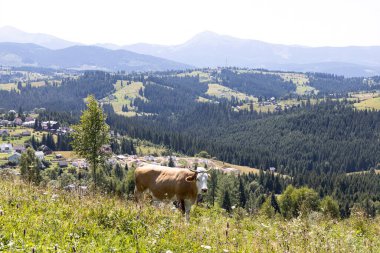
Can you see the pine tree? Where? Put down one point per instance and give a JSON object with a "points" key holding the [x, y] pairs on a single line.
{"points": [[242, 197], [226, 204]]}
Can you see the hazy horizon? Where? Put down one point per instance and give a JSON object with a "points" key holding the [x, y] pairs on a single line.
{"points": [[168, 22]]}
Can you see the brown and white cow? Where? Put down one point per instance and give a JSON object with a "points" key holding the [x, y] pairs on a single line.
{"points": [[166, 183]]}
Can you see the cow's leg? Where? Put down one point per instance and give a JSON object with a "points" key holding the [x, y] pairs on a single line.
{"points": [[137, 195], [182, 206], [188, 205]]}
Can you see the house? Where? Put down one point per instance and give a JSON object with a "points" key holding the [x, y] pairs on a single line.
{"points": [[28, 123], [121, 157], [272, 169], [39, 155], [16, 135], [80, 163], [63, 164], [15, 158], [45, 149], [26, 133], [6, 123], [46, 125], [28, 119], [6, 148], [17, 121], [230, 170], [19, 149]]}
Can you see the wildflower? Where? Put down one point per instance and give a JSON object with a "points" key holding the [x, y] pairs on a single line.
{"points": [[206, 247], [169, 251]]}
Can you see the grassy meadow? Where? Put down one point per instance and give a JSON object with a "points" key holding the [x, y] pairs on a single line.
{"points": [[48, 220], [131, 91], [221, 91]]}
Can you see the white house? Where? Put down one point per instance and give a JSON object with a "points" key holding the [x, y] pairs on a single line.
{"points": [[6, 148], [40, 155]]}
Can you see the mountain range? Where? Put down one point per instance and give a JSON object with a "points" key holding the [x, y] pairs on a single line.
{"points": [[206, 49]]}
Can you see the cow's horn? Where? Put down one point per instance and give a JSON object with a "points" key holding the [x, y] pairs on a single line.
{"points": [[193, 170]]}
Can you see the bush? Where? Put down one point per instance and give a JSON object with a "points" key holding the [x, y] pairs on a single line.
{"points": [[330, 207]]}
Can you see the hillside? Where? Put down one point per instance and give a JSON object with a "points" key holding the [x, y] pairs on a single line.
{"points": [[46, 220], [81, 58]]}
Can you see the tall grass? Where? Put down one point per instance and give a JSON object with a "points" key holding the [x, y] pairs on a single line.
{"points": [[44, 220]]}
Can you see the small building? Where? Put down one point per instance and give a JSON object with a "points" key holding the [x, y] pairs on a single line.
{"points": [[4, 132], [26, 133], [40, 155], [80, 163], [17, 121], [16, 135], [121, 157], [63, 164], [6, 148], [6, 123], [28, 123], [45, 149], [19, 149], [14, 158], [28, 119], [272, 169], [46, 125]]}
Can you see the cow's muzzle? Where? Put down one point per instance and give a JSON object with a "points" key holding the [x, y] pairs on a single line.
{"points": [[204, 190]]}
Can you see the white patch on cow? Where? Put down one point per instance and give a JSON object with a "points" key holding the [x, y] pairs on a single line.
{"points": [[202, 180]]}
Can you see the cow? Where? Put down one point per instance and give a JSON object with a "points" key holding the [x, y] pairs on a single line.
{"points": [[166, 183]]}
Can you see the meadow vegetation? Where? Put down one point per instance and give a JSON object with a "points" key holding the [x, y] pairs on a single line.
{"points": [[51, 220]]}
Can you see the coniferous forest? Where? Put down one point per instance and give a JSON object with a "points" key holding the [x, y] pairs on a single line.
{"points": [[323, 142]]}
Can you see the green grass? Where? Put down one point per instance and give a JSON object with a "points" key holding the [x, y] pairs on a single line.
{"points": [[371, 103], [221, 91], [131, 91], [8, 86], [45, 220], [203, 77], [147, 148]]}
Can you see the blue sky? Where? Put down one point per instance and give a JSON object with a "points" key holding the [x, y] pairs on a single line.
{"points": [[302, 22]]}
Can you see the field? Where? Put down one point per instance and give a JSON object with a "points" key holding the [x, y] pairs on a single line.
{"points": [[147, 148], [41, 220], [221, 91], [10, 86], [131, 91], [371, 103], [244, 169], [203, 77]]}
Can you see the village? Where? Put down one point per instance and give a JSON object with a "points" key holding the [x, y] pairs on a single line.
{"points": [[18, 132]]}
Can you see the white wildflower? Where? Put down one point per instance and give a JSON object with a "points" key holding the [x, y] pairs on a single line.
{"points": [[206, 247]]}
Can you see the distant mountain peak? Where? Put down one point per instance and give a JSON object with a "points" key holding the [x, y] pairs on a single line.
{"points": [[12, 34]]}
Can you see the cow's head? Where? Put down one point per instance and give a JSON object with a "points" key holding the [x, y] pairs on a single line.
{"points": [[201, 176]]}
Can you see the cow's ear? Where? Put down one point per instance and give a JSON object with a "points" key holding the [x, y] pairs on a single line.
{"points": [[191, 178]]}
